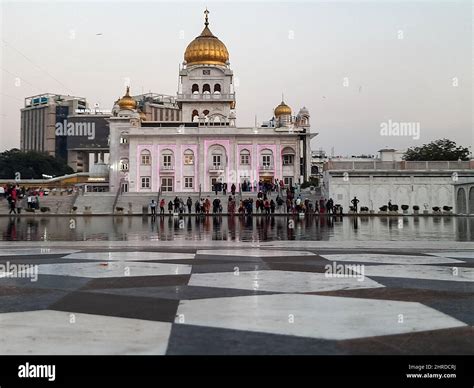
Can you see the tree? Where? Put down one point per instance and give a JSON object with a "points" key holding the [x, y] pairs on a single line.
{"points": [[442, 149], [30, 165]]}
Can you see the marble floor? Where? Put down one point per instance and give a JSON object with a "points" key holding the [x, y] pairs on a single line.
{"points": [[248, 300]]}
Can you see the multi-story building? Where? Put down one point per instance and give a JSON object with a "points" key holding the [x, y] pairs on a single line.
{"points": [[39, 117], [201, 144]]}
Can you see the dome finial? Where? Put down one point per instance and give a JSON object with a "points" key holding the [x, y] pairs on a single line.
{"points": [[206, 12]]}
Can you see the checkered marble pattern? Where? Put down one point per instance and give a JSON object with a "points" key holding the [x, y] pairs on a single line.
{"points": [[237, 301]]}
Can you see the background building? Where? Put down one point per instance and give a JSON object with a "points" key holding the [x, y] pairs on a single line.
{"points": [[377, 181], [38, 122]]}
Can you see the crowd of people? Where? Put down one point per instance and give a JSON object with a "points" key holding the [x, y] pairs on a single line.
{"points": [[20, 197], [265, 203]]}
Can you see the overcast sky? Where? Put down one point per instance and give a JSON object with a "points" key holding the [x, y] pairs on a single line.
{"points": [[355, 65]]}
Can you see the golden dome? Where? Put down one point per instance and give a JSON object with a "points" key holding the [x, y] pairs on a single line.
{"points": [[282, 109], [127, 102], [206, 49]]}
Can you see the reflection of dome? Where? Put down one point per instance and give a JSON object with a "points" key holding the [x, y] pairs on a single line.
{"points": [[127, 102], [206, 49], [282, 110]]}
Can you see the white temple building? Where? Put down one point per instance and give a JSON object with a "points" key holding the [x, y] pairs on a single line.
{"points": [[187, 142]]}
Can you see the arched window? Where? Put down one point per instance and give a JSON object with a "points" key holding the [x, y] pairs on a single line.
{"points": [[218, 158], [167, 159], [145, 157], [217, 88], [266, 158], [188, 157], [245, 157], [195, 89], [205, 112], [194, 115], [206, 89], [124, 164], [288, 156]]}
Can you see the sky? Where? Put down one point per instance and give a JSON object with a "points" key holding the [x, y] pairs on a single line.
{"points": [[358, 66]]}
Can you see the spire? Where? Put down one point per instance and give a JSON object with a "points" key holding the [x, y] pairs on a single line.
{"points": [[206, 12]]}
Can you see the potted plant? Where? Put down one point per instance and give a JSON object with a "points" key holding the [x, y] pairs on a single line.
{"points": [[394, 210], [87, 210], [44, 209], [447, 209], [119, 209], [364, 209], [426, 211], [436, 209], [405, 209], [416, 209], [74, 209], [383, 209]]}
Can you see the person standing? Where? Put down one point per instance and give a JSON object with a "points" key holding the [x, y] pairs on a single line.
{"points": [[232, 189], [153, 207], [162, 206], [355, 202], [12, 204], [224, 188], [189, 203]]}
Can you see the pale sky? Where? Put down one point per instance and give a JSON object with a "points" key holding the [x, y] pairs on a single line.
{"points": [[354, 65]]}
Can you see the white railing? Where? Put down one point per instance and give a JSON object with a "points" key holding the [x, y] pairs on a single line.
{"points": [[205, 96], [401, 165]]}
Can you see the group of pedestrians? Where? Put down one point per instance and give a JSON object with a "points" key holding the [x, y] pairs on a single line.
{"points": [[20, 197]]}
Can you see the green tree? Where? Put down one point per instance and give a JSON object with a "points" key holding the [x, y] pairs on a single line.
{"points": [[442, 149], [31, 165]]}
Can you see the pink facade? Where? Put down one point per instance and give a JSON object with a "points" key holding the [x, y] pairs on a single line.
{"points": [[209, 143], [233, 169]]}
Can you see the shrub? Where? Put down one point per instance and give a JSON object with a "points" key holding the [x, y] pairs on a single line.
{"points": [[436, 209], [416, 207], [395, 208], [305, 184], [447, 208], [74, 208], [405, 207], [364, 209], [119, 209], [44, 209], [383, 208], [28, 210]]}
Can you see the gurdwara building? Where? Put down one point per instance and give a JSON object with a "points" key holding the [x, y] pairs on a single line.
{"points": [[189, 142]]}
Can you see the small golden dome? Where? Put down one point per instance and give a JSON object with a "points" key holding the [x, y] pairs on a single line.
{"points": [[282, 109], [127, 102], [206, 49]]}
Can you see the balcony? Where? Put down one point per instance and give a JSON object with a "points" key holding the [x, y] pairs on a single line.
{"points": [[266, 167], [216, 168], [206, 97], [167, 169]]}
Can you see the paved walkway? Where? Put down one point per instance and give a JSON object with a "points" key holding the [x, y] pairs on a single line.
{"points": [[273, 299]]}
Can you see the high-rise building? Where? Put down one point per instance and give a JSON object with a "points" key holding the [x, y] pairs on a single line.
{"points": [[39, 117]]}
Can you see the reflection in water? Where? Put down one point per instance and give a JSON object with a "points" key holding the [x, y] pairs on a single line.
{"points": [[237, 228]]}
